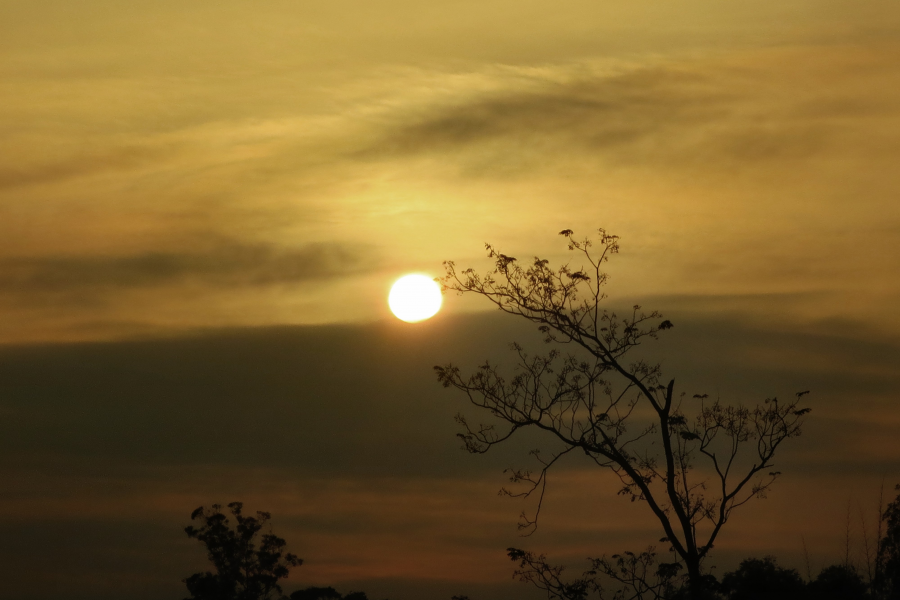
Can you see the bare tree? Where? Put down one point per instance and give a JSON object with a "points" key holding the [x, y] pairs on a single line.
{"points": [[848, 537], [867, 544], [806, 559], [692, 461]]}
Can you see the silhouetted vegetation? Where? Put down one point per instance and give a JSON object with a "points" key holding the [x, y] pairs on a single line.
{"points": [[326, 593], [246, 567], [316, 593], [644, 577], [758, 578], [595, 400], [887, 578], [838, 582], [754, 579]]}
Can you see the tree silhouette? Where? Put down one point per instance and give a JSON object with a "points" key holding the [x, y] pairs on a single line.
{"points": [[763, 579], [316, 593], [246, 568], [838, 582], [693, 462], [887, 582], [326, 593]]}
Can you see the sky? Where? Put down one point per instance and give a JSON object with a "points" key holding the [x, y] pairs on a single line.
{"points": [[203, 206]]}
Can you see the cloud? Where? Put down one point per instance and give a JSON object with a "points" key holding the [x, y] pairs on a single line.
{"points": [[226, 264], [602, 112], [760, 107], [118, 159], [758, 154], [329, 399], [361, 400]]}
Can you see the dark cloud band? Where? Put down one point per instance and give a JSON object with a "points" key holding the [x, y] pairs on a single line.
{"points": [[226, 265]]}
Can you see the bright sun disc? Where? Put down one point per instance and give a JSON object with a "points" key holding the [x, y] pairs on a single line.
{"points": [[415, 298]]}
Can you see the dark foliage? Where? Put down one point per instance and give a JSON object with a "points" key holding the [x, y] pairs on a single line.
{"points": [[763, 579], [326, 593], [887, 582], [838, 582], [316, 593], [247, 567]]}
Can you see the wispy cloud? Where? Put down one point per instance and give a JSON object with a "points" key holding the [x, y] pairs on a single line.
{"points": [[79, 165], [229, 264], [608, 111], [761, 107]]}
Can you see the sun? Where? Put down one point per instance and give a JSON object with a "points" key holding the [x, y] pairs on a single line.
{"points": [[415, 298]]}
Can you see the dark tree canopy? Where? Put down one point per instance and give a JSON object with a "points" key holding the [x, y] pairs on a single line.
{"points": [[326, 593], [247, 566], [316, 593], [763, 579], [692, 460], [838, 582]]}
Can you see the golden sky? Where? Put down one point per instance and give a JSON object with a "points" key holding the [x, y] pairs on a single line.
{"points": [[178, 178], [173, 165]]}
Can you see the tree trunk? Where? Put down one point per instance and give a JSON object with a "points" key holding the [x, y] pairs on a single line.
{"points": [[695, 579]]}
